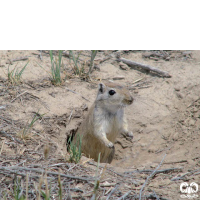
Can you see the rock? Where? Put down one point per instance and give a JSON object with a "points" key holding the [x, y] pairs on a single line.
{"points": [[118, 77], [153, 58], [167, 58], [146, 54], [154, 165], [185, 53], [152, 149], [175, 136], [124, 66], [177, 88], [192, 122], [179, 95]]}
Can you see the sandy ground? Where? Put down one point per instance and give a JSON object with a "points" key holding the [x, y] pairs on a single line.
{"points": [[165, 116]]}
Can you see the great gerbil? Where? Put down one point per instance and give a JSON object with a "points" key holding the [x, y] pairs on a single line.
{"points": [[104, 122]]}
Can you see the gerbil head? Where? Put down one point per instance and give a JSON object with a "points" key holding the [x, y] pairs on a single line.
{"points": [[113, 95]]}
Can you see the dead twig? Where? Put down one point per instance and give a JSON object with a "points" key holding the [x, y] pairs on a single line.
{"points": [[193, 103], [112, 171], [6, 120], [8, 135], [77, 93], [187, 173], [13, 169], [157, 198], [103, 59], [150, 176], [8, 173], [173, 162], [124, 196], [149, 196], [20, 58], [18, 96], [10, 61], [180, 177], [138, 80], [157, 172], [113, 191], [2, 147], [143, 66]]}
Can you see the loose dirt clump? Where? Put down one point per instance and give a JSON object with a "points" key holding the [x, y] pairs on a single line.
{"points": [[165, 120]]}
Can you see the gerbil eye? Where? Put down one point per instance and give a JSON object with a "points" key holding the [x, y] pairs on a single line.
{"points": [[112, 92]]}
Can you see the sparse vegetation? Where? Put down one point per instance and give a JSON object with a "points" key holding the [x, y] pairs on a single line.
{"points": [[14, 76], [32, 171], [56, 76], [26, 132], [21, 193], [75, 150], [56, 65], [18, 189], [47, 193], [59, 188], [78, 68], [97, 181], [93, 55]]}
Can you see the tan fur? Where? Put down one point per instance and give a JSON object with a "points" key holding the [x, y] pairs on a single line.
{"points": [[104, 122]]}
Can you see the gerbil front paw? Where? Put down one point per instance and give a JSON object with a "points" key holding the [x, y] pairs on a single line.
{"points": [[110, 145], [130, 134]]}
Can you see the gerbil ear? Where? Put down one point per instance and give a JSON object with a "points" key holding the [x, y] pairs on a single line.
{"points": [[101, 87]]}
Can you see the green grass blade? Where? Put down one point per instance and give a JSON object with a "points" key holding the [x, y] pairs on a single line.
{"points": [[60, 57], [56, 67], [21, 72], [75, 60], [93, 55], [75, 149], [51, 55], [52, 64]]}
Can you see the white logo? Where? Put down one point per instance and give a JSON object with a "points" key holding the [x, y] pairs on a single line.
{"points": [[189, 190]]}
